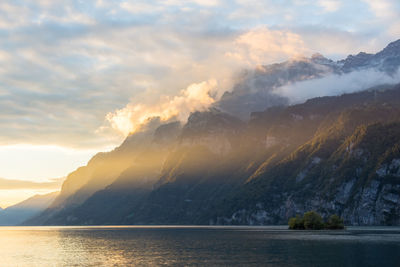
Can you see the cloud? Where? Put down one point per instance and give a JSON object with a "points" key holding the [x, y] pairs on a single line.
{"points": [[320, 39], [330, 5], [140, 7], [65, 65], [196, 97], [245, 50], [206, 3], [387, 12], [382, 8], [41, 162], [335, 85], [262, 45], [54, 184]]}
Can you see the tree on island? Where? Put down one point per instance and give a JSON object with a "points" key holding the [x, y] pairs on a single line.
{"points": [[296, 223], [313, 221], [334, 222]]}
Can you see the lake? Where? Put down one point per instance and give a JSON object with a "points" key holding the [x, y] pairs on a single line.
{"points": [[197, 246]]}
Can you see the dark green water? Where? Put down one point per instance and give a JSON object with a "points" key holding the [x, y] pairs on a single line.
{"points": [[197, 246]]}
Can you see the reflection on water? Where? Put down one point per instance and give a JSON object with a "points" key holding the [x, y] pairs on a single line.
{"points": [[202, 246]]}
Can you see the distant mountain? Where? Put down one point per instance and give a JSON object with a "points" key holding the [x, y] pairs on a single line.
{"points": [[140, 153], [387, 60], [24, 210], [254, 89], [337, 154]]}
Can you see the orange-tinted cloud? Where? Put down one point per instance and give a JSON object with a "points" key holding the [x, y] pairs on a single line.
{"points": [[8, 184], [262, 45], [196, 96]]}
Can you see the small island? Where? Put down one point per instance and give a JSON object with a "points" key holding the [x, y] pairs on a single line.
{"points": [[313, 221]]}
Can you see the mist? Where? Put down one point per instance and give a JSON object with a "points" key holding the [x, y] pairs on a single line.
{"points": [[335, 84]]}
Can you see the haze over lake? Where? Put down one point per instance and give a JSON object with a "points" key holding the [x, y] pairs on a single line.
{"points": [[197, 246]]}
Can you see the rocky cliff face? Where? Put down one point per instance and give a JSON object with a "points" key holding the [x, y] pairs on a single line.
{"points": [[356, 177]]}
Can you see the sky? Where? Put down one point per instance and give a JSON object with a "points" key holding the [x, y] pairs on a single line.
{"points": [[76, 77]]}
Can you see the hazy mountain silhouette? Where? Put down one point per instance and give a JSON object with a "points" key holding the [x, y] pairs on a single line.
{"points": [[24, 210]]}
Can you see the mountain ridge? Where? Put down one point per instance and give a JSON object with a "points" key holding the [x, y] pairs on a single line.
{"points": [[221, 169], [20, 212]]}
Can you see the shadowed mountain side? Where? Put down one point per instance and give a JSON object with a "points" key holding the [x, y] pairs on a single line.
{"points": [[321, 170], [284, 161], [216, 191], [355, 176], [24, 210], [149, 145], [202, 128], [109, 205]]}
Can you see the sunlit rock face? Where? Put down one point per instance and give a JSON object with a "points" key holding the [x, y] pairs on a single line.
{"points": [[271, 141], [216, 130], [167, 134]]}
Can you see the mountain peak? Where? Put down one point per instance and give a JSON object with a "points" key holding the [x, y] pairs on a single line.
{"points": [[320, 59], [317, 56], [361, 55], [389, 57], [213, 116], [352, 62], [393, 45], [391, 50]]}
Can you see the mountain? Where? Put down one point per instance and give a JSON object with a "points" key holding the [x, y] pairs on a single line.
{"points": [[387, 60], [26, 209], [140, 154], [349, 167], [254, 90], [336, 154]]}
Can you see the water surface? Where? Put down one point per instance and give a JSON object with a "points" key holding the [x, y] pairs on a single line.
{"points": [[197, 246]]}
